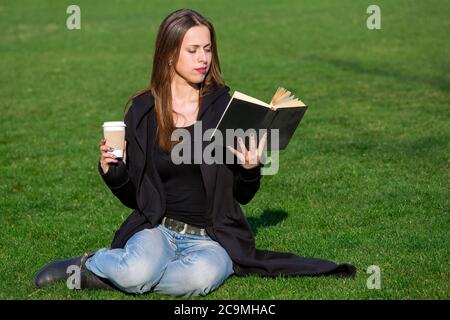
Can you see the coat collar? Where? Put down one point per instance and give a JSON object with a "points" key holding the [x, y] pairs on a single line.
{"points": [[144, 103]]}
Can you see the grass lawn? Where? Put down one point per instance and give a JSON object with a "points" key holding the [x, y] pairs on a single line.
{"points": [[365, 179]]}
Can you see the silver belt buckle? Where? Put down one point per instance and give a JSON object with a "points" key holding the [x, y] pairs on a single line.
{"points": [[184, 229]]}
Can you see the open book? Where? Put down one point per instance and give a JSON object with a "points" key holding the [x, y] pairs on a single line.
{"points": [[284, 112]]}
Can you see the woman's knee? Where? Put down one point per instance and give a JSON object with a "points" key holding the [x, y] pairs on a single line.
{"points": [[210, 275], [208, 271], [132, 274], [140, 266]]}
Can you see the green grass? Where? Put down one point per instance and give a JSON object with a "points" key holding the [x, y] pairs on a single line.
{"points": [[364, 181]]}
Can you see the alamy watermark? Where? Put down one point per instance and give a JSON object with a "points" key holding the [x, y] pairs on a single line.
{"points": [[374, 20], [374, 280], [74, 279], [215, 152], [73, 21]]}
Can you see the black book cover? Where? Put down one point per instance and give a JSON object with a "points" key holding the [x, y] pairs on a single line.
{"points": [[245, 115]]}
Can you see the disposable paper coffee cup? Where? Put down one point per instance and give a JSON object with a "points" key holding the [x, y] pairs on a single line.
{"points": [[114, 133]]}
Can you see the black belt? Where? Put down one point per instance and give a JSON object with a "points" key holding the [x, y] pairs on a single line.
{"points": [[182, 227]]}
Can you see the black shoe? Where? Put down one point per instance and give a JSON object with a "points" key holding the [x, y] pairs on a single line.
{"points": [[89, 280], [57, 270]]}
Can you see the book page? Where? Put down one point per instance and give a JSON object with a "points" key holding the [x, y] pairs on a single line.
{"points": [[283, 99], [241, 96], [291, 104]]}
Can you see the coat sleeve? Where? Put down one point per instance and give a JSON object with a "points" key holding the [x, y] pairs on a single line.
{"points": [[118, 181], [117, 177], [246, 182]]}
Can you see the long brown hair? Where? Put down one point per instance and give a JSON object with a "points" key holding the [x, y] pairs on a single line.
{"points": [[168, 43]]}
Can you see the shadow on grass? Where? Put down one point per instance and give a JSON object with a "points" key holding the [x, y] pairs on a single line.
{"points": [[394, 149], [439, 82], [266, 219]]}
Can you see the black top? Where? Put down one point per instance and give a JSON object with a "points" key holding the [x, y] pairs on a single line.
{"points": [[183, 184]]}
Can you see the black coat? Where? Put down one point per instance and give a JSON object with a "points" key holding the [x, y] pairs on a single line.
{"points": [[227, 186]]}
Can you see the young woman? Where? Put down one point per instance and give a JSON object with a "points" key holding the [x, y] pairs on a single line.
{"points": [[187, 233]]}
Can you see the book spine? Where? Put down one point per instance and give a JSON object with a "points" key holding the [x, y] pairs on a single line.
{"points": [[268, 119], [274, 114]]}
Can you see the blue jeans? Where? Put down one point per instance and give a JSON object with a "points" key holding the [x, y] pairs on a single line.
{"points": [[165, 262]]}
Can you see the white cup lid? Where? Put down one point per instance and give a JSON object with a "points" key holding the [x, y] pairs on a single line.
{"points": [[114, 124]]}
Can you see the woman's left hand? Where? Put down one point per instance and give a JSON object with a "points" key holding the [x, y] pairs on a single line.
{"points": [[250, 158]]}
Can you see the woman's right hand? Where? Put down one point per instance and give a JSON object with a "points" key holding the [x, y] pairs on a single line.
{"points": [[106, 157]]}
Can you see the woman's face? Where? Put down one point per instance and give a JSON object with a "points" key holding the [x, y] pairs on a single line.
{"points": [[195, 55]]}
